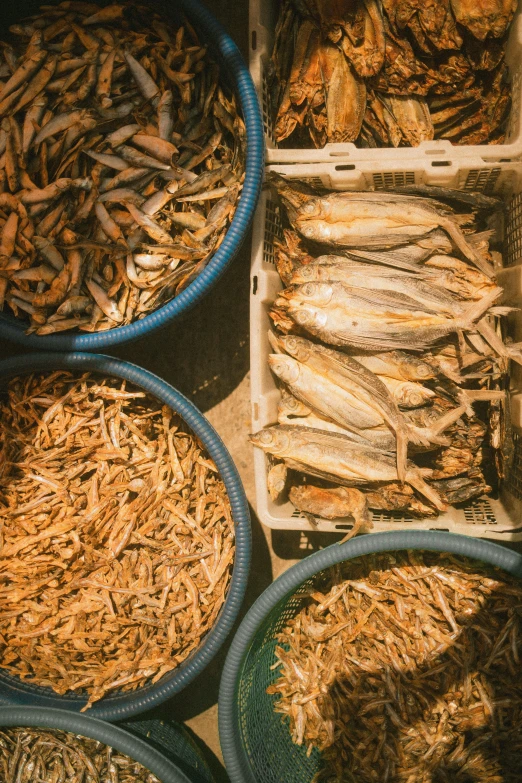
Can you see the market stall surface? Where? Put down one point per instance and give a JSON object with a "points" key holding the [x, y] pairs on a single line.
{"points": [[206, 357]]}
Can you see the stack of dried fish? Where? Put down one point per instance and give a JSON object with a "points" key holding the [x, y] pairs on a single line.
{"points": [[390, 74], [396, 417], [117, 540], [403, 668], [29, 755], [121, 164]]}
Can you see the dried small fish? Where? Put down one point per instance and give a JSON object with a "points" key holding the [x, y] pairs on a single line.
{"points": [[98, 116], [403, 666], [140, 524], [28, 755]]}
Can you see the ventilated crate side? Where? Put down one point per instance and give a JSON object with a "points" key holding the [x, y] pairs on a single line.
{"points": [[484, 517]]}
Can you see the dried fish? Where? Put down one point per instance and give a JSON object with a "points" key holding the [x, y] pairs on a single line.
{"points": [[141, 530], [97, 115], [421, 374], [402, 666], [28, 754], [390, 74]]}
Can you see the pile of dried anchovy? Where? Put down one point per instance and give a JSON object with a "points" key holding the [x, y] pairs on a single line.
{"points": [[403, 668], [389, 353], [390, 74], [121, 165], [31, 755], [116, 536]]}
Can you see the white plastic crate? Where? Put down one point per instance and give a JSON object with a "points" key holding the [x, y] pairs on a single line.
{"points": [[263, 19], [486, 518]]}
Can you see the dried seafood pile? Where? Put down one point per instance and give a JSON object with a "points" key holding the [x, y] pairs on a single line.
{"points": [[28, 755], [121, 165], [117, 540], [390, 74], [408, 411], [403, 668]]}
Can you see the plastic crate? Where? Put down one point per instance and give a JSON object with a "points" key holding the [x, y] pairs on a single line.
{"points": [[484, 517], [263, 19]]}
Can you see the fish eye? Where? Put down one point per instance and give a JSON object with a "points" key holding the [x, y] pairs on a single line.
{"points": [[308, 231], [309, 289], [302, 317], [266, 437], [308, 207]]}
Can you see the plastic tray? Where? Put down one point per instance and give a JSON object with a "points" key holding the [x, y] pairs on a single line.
{"points": [[263, 19], [488, 518]]}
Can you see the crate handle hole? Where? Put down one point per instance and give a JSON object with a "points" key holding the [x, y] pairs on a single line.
{"points": [[254, 40], [435, 152], [343, 527], [441, 162], [345, 167], [254, 285]]}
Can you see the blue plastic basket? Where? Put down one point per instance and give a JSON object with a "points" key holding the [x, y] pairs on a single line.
{"points": [[13, 690], [229, 57], [257, 746], [130, 744]]}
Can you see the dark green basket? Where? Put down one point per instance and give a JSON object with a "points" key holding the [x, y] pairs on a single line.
{"points": [[256, 742], [173, 741]]}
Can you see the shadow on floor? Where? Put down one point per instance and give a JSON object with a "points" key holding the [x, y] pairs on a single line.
{"points": [[205, 354], [297, 544]]}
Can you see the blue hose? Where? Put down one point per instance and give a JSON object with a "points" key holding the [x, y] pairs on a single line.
{"points": [[235, 746], [12, 329], [16, 692]]}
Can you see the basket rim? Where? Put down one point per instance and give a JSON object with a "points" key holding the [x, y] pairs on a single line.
{"points": [[236, 759], [14, 691], [92, 728], [14, 330]]}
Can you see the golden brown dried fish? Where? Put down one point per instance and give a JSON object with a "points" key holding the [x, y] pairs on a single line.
{"points": [[141, 530]]}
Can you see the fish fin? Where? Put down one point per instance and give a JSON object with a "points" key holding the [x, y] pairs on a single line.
{"points": [[414, 478], [497, 310], [477, 309], [492, 338], [447, 420], [275, 345], [465, 248], [476, 395]]}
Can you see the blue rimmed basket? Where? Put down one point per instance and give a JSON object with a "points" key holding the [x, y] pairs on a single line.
{"points": [[229, 57], [256, 744], [177, 760], [14, 691]]}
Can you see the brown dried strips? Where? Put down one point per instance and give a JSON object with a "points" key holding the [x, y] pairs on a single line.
{"points": [[404, 668], [38, 756], [390, 74], [121, 163], [116, 536]]}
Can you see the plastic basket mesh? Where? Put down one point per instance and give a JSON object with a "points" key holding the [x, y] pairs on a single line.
{"points": [[174, 741], [274, 758]]}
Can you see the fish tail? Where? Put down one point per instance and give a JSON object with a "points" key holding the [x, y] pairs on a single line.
{"points": [[402, 452], [477, 309], [512, 351], [446, 421], [465, 248], [417, 482], [426, 435]]}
